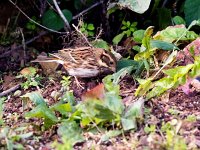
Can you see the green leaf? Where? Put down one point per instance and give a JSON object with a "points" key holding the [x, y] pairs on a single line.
{"points": [[99, 43], [94, 109], [62, 108], [42, 111], [35, 97], [118, 38], [110, 134], [135, 5], [160, 87], [114, 102], [128, 23], [138, 35], [178, 71], [53, 21], [163, 45], [90, 27], [178, 20], [144, 87], [127, 62], [135, 109], [191, 10], [172, 34], [71, 132], [147, 36], [128, 124]]}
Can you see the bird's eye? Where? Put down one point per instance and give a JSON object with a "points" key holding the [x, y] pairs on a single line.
{"points": [[111, 63]]}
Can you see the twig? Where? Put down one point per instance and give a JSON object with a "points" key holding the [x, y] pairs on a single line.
{"points": [[62, 16], [86, 10], [12, 89], [24, 47], [35, 21], [21, 46], [82, 35]]}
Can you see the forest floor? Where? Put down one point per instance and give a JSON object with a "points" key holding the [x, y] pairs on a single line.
{"points": [[170, 120]]}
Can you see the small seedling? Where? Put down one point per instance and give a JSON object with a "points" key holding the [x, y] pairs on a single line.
{"points": [[87, 29], [31, 77]]}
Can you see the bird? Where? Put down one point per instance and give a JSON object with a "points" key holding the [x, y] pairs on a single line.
{"points": [[83, 62]]}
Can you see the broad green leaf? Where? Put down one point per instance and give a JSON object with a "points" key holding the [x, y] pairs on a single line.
{"points": [[163, 45], [178, 71], [118, 38], [160, 87], [127, 62], [144, 87], [116, 77], [90, 27], [114, 102], [135, 109], [128, 124], [42, 111], [138, 35], [52, 20], [192, 10], [62, 108], [71, 132], [110, 134], [178, 20], [69, 97], [99, 43], [35, 97], [95, 109], [135, 5], [171, 34]]}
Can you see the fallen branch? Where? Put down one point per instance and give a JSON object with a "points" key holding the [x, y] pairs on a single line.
{"points": [[12, 89]]}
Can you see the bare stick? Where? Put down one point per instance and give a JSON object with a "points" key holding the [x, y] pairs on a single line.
{"points": [[86, 10], [21, 46], [35, 21], [12, 89], [82, 35], [61, 15]]}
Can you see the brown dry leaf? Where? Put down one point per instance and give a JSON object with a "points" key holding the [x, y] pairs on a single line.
{"points": [[97, 92]]}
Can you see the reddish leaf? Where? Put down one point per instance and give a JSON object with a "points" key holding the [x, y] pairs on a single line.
{"points": [[97, 92]]}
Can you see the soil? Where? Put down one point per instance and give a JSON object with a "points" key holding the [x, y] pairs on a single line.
{"points": [[182, 104]]}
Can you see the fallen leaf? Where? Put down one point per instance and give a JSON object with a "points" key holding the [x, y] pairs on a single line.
{"points": [[97, 92]]}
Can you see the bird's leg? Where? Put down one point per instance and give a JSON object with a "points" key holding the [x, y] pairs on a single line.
{"points": [[78, 83]]}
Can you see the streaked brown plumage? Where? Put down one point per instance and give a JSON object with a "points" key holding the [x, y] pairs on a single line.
{"points": [[83, 62]]}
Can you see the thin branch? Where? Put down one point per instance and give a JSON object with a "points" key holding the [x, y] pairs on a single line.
{"points": [[21, 46], [12, 89], [61, 15], [86, 10], [82, 35], [35, 21]]}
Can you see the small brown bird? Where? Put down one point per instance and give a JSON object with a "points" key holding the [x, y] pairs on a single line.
{"points": [[83, 62]]}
